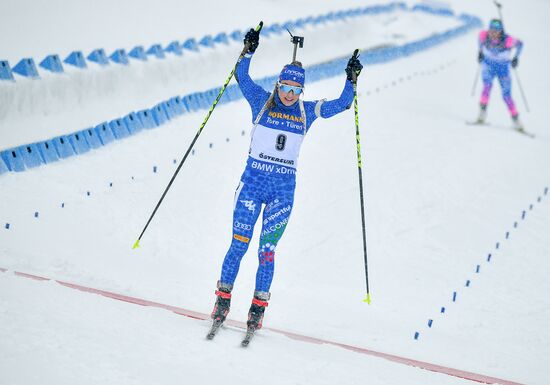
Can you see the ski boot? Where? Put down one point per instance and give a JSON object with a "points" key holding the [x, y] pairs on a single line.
{"points": [[221, 308], [516, 123], [255, 315], [482, 114]]}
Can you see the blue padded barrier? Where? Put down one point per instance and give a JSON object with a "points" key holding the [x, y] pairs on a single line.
{"points": [[207, 41], [175, 48], [138, 53], [221, 38], [120, 57], [5, 71], [237, 35], [48, 151], [79, 143], [168, 109], [177, 105], [3, 166], [76, 58], [119, 128], [52, 63], [146, 118], [13, 160], [31, 155], [159, 114], [63, 146], [133, 123], [27, 68], [105, 133], [91, 137], [98, 56], [190, 44], [157, 51]]}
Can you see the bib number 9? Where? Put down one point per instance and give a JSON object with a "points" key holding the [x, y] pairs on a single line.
{"points": [[281, 142]]}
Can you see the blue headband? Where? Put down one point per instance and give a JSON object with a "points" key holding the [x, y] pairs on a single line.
{"points": [[294, 73]]}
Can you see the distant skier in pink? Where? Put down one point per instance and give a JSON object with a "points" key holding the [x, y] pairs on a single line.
{"points": [[495, 56]]}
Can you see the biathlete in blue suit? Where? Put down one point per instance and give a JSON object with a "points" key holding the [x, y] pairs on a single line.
{"points": [[281, 120]]}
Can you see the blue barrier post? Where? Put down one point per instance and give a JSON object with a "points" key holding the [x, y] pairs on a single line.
{"points": [[48, 151], [5, 71], [119, 128], [63, 146], [191, 45], [221, 38], [98, 56], [105, 133], [146, 118], [13, 160], [159, 115], [31, 155], [52, 63], [207, 41], [120, 57], [92, 138], [27, 68], [79, 143], [138, 53], [133, 123], [175, 48], [76, 58], [157, 51], [3, 166]]}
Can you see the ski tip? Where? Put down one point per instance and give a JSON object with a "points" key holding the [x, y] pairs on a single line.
{"points": [[260, 26], [136, 245], [367, 298], [356, 53]]}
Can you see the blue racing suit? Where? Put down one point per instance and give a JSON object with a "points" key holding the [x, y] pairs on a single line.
{"points": [[270, 175]]}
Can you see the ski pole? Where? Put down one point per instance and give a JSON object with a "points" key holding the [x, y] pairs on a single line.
{"points": [[521, 90], [475, 80], [245, 49], [359, 168]]}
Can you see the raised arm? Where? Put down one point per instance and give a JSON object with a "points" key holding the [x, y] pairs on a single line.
{"points": [[253, 93]]}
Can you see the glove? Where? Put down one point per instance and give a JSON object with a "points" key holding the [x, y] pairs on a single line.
{"points": [[354, 67], [515, 62], [252, 38], [480, 57]]}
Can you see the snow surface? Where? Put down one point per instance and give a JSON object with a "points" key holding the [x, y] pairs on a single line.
{"points": [[439, 196]]}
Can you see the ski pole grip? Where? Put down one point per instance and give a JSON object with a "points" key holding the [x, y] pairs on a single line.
{"points": [[258, 29], [355, 56]]}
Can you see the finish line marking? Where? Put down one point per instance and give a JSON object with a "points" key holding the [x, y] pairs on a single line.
{"points": [[202, 316]]}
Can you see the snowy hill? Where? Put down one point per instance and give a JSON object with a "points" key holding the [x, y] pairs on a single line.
{"points": [[439, 197]]}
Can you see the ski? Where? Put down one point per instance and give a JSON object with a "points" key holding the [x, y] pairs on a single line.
{"points": [[476, 123], [214, 329], [249, 334], [526, 133]]}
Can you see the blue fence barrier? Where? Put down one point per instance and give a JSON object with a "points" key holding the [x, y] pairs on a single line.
{"points": [[5, 71], [76, 58], [52, 63], [31, 155], [104, 133], [13, 160], [48, 151], [27, 68]]}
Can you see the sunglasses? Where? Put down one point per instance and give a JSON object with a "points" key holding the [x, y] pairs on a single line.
{"points": [[495, 25], [287, 88]]}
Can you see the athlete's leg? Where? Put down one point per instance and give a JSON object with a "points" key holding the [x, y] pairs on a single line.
{"points": [[505, 81], [487, 76], [247, 208], [275, 219]]}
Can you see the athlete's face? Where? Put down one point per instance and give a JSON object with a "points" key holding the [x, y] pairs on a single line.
{"points": [[288, 98], [494, 34]]}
